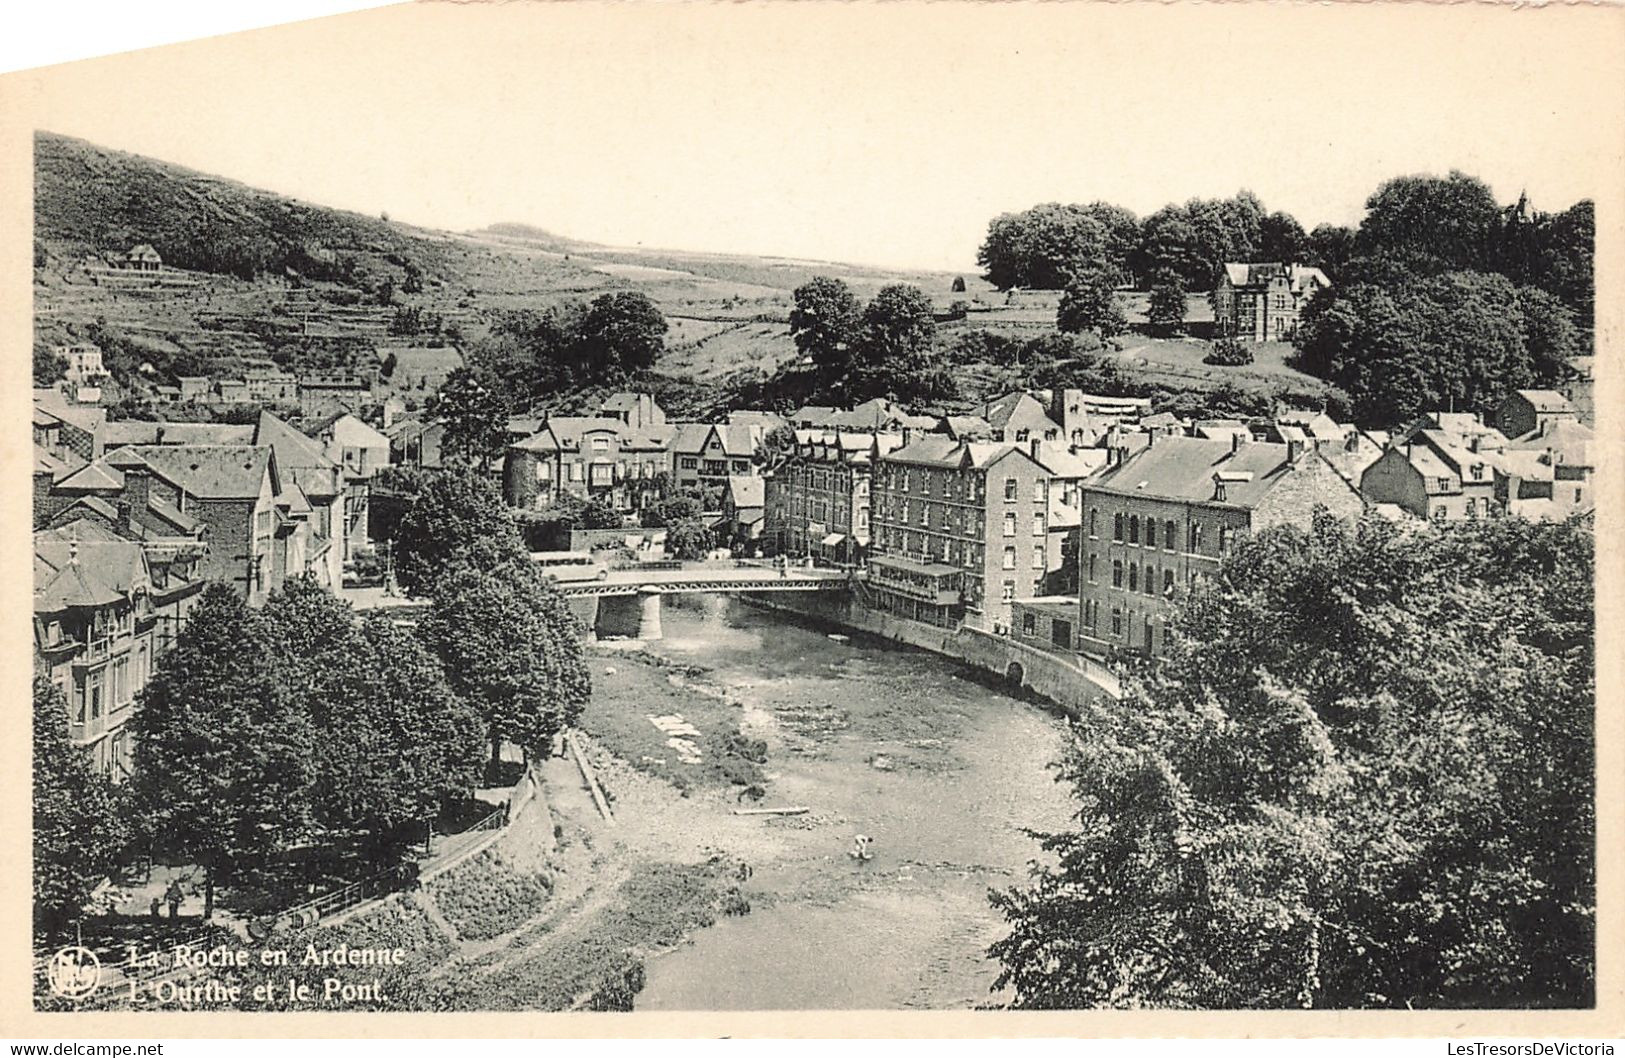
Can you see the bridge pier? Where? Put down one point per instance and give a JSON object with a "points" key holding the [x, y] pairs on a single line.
{"points": [[632, 616]]}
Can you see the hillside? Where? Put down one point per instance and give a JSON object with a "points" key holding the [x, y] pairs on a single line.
{"points": [[254, 278]]}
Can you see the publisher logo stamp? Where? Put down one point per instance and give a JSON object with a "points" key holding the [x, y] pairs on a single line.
{"points": [[74, 972]]}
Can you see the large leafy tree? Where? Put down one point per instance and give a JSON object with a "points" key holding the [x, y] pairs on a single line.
{"points": [[392, 740], [895, 355], [452, 518], [510, 648], [1463, 339], [1091, 304], [1166, 308], [79, 825], [1340, 788], [1448, 220], [824, 323], [1044, 246], [621, 334], [475, 414], [1281, 238], [224, 755]]}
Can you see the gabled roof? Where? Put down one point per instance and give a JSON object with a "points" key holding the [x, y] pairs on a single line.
{"points": [[1546, 400], [69, 572], [746, 490], [1568, 439], [622, 401], [999, 412], [570, 429], [205, 471], [940, 451], [1184, 468], [293, 448], [1260, 273], [100, 476], [690, 436], [540, 441]]}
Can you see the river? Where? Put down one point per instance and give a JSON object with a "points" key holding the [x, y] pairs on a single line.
{"points": [[939, 768]]}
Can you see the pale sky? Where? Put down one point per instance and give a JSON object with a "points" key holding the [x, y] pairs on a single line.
{"points": [[870, 134]]}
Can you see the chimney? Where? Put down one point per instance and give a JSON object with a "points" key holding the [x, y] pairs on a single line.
{"points": [[1236, 442], [1035, 448], [1294, 451], [1351, 443], [1151, 438], [1218, 487], [1473, 442], [137, 493]]}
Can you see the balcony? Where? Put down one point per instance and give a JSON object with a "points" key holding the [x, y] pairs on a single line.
{"points": [[933, 582]]}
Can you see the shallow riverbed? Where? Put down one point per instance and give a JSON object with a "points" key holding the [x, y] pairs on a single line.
{"points": [[941, 770]]}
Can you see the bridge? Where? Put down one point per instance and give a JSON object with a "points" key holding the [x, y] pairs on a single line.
{"points": [[626, 601]]}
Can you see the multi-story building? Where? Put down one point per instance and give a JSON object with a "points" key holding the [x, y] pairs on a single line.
{"points": [[1262, 302], [256, 525], [704, 456], [818, 499], [102, 616], [1435, 475], [1157, 520], [959, 529], [1019, 418], [268, 385], [1545, 475], [359, 451], [305, 462], [322, 394], [1523, 411]]}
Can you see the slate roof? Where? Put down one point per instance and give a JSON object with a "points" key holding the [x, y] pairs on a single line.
{"points": [[1260, 273], [87, 573], [1546, 400], [1183, 468], [204, 471], [569, 429], [747, 491], [1568, 438], [940, 451]]}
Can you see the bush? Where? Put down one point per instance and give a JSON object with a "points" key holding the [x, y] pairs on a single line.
{"points": [[1228, 352], [487, 896]]}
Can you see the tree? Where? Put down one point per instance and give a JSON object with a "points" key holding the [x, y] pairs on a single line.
{"points": [[1329, 248], [1281, 238], [1448, 220], [673, 510], [223, 754], [896, 339], [1549, 334], [1043, 247], [1091, 304], [392, 741], [1459, 339], [510, 648], [620, 334], [690, 540], [412, 283], [452, 518], [1337, 791], [78, 824], [824, 323], [475, 416], [777, 447], [50, 367], [1166, 310]]}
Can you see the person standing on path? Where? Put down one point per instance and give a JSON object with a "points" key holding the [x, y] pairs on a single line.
{"points": [[173, 895]]}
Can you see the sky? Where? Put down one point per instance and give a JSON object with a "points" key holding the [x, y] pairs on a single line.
{"points": [[879, 134]]}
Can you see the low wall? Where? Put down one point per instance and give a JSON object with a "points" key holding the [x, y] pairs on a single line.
{"points": [[1070, 684]]}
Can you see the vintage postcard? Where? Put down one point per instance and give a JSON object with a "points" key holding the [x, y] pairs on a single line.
{"points": [[818, 519]]}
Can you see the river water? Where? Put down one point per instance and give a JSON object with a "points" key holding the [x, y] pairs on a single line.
{"points": [[943, 772]]}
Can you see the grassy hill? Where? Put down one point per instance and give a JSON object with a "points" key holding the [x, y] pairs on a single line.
{"points": [[254, 277]]}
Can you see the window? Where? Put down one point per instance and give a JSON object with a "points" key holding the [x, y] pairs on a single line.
{"points": [[1150, 580], [1091, 569], [902, 512], [905, 480], [1038, 525], [1478, 471], [1038, 558], [1029, 625], [1196, 538], [1009, 558], [1060, 633], [1133, 577], [1117, 574], [600, 444], [1117, 526], [1150, 636], [1009, 489], [1021, 435], [1134, 529], [1169, 537], [1040, 491], [1117, 621], [1226, 538], [1167, 582], [689, 462], [1150, 532], [1092, 513], [1009, 525], [1438, 514]]}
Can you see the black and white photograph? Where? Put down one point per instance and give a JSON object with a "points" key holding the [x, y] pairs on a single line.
{"points": [[696, 508]]}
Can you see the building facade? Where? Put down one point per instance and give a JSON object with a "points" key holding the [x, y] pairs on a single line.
{"points": [[959, 530], [1262, 302], [1160, 519], [818, 500]]}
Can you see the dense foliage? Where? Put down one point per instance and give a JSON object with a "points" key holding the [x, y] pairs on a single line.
{"points": [[79, 826], [536, 354], [1090, 303], [224, 755], [1364, 777], [474, 411], [888, 348], [452, 517]]}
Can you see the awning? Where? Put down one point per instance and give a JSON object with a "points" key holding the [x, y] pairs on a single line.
{"points": [[833, 538]]}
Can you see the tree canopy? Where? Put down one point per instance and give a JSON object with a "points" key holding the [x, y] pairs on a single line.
{"points": [[79, 826], [475, 412], [1340, 789], [452, 517], [824, 323], [224, 756]]}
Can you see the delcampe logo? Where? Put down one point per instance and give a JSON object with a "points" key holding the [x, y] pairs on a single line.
{"points": [[74, 972]]}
